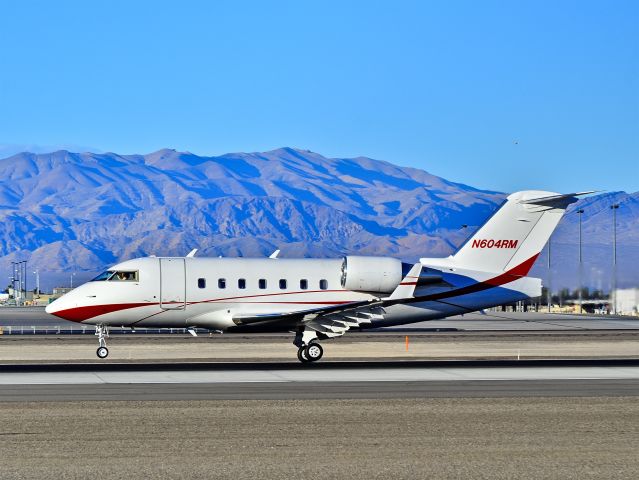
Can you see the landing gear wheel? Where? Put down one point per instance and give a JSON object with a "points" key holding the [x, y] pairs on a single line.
{"points": [[102, 352], [314, 352], [301, 355]]}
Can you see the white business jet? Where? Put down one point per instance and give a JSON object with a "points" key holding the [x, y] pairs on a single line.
{"points": [[318, 299]]}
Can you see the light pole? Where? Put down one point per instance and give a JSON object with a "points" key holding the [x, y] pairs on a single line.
{"points": [[19, 271], [72, 279], [548, 289], [580, 212], [19, 281], [13, 280], [24, 266], [37, 275], [613, 293]]}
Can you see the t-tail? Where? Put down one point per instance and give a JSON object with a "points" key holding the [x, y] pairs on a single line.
{"points": [[511, 240]]}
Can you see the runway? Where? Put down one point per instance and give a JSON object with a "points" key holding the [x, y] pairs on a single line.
{"points": [[320, 390], [391, 419], [281, 381], [369, 347]]}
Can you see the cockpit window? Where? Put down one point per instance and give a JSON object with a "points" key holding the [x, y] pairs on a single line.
{"points": [[121, 276], [117, 276], [103, 276]]}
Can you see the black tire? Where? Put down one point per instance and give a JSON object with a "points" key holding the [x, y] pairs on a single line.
{"points": [[301, 355], [102, 352], [314, 352]]}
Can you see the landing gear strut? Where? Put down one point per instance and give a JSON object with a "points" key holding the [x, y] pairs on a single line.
{"points": [[102, 332], [309, 349]]}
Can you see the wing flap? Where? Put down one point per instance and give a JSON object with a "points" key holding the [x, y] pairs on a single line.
{"points": [[243, 319]]}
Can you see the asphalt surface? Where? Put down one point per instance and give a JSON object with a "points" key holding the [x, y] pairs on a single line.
{"points": [[295, 366], [194, 408], [380, 346], [322, 381], [320, 390], [571, 419]]}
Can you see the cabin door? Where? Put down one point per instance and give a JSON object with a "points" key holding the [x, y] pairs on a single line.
{"points": [[172, 284]]}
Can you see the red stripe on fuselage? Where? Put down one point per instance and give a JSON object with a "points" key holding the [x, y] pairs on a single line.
{"points": [[78, 314]]}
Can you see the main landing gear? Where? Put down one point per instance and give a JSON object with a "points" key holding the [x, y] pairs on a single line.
{"points": [[309, 349], [102, 332]]}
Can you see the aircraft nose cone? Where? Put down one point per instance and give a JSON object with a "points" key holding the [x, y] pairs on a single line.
{"points": [[56, 308], [50, 309]]}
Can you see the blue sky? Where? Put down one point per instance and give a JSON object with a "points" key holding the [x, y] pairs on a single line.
{"points": [[498, 95]]}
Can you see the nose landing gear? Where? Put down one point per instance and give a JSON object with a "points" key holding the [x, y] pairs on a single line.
{"points": [[102, 352], [102, 332]]}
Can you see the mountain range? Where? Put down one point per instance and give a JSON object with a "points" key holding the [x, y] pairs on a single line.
{"points": [[80, 212]]}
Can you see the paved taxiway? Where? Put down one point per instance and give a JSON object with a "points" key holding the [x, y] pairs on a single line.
{"points": [[320, 390], [133, 417], [337, 380], [375, 420], [303, 374], [360, 346]]}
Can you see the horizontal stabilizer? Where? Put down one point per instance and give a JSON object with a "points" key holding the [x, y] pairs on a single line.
{"points": [[555, 200]]}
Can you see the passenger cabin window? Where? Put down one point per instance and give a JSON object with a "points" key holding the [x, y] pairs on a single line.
{"points": [[241, 284], [123, 276], [221, 282], [323, 284], [282, 284], [262, 283], [303, 284], [201, 282]]}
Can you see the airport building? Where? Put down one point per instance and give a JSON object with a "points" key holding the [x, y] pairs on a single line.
{"points": [[59, 291], [627, 301]]}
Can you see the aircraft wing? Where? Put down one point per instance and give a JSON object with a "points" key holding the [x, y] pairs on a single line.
{"points": [[330, 321], [300, 315]]}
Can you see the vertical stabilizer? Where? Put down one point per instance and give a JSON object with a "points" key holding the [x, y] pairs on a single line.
{"points": [[514, 236]]}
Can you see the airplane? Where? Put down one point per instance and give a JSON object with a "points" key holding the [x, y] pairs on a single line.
{"points": [[319, 299]]}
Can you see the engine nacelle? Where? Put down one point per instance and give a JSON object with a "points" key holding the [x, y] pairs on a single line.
{"points": [[371, 274]]}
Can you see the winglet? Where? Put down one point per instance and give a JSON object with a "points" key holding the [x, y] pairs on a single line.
{"points": [[274, 254], [192, 253], [406, 288]]}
